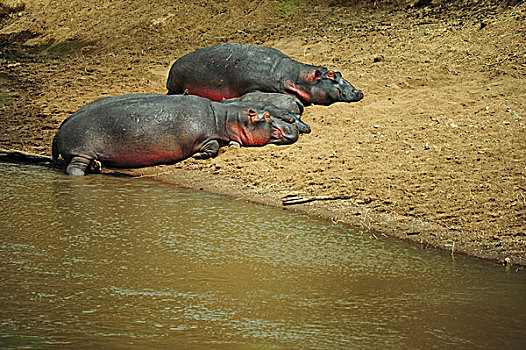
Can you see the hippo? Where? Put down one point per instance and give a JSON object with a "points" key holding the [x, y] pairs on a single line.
{"points": [[284, 107], [232, 70], [148, 129]]}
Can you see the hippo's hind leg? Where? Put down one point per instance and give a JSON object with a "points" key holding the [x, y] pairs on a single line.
{"points": [[210, 149], [77, 166]]}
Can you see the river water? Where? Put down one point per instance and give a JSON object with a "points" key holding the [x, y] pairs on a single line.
{"points": [[121, 263]]}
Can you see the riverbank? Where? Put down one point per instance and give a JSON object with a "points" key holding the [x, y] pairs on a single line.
{"points": [[433, 154]]}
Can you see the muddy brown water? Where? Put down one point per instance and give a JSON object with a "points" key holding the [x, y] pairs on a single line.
{"points": [[104, 262]]}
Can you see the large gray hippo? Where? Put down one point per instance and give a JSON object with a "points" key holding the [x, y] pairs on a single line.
{"points": [[147, 129], [232, 70]]}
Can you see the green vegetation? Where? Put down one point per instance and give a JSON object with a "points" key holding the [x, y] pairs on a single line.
{"points": [[16, 52], [12, 53], [287, 6], [61, 49], [4, 99]]}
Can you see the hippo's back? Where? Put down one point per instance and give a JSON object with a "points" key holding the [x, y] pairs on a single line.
{"points": [[225, 71], [106, 100]]}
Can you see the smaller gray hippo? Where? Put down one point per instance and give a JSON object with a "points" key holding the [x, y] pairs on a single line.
{"points": [[147, 129], [284, 107]]}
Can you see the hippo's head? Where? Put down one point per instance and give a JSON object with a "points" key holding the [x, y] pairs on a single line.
{"points": [[320, 86], [259, 129], [294, 118]]}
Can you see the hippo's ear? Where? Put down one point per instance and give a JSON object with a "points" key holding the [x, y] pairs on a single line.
{"points": [[252, 115], [330, 74], [266, 115], [314, 75]]}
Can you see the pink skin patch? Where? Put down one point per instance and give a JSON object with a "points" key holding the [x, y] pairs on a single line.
{"points": [[294, 90], [130, 159], [278, 134], [212, 94], [258, 136], [233, 50], [247, 137], [311, 75]]}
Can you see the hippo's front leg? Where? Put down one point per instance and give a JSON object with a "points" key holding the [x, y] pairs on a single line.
{"points": [[209, 149], [234, 144], [77, 166]]}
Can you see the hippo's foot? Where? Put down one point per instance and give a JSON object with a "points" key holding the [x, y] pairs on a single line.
{"points": [[77, 166], [209, 150], [234, 144], [95, 166]]}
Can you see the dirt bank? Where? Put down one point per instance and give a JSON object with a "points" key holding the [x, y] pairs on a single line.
{"points": [[434, 153]]}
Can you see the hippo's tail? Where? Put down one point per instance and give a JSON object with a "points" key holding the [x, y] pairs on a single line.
{"points": [[54, 149]]}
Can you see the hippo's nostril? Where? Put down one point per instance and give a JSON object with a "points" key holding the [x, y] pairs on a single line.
{"points": [[355, 96], [359, 94]]}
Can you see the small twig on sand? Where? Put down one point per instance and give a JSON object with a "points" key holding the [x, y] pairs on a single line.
{"points": [[293, 199]]}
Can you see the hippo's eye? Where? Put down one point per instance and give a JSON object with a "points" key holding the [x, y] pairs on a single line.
{"points": [[330, 74], [286, 118]]}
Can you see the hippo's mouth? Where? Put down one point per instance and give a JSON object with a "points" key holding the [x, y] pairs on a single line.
{"points": [[338, 94], [299, 97], [280, 136], [354, 96]]}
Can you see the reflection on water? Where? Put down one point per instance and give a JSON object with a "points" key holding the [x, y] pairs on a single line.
{"points": [[97, 262]]}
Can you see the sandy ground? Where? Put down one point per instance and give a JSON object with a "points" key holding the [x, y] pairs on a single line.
{"points": [[435, 152]]}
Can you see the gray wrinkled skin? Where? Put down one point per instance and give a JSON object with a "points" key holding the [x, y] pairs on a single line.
{"points": [[146, 129], [231, 70]]}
